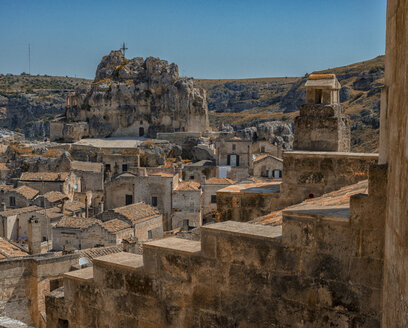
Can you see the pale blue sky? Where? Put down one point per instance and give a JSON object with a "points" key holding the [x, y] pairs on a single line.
{"points": [[207, 39]]}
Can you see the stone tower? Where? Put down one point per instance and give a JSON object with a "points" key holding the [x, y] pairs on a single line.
{"points": [[322, 124], [34, 235]]}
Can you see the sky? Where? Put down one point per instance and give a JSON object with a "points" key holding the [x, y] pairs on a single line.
{"points": [[228, 39]]}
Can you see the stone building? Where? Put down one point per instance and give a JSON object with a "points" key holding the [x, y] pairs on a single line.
{"points": [[210, 188], [91, 175], [17, 197], [133, 97], [4, 172], [65, 182], [50, 199], [235, 154], [267, 166], [264, 146], [14, 223], [322, 124], [154, 189], [186, 205], [145, 219], [115, 164], [82, 233], [199, 171], [244, 202]]}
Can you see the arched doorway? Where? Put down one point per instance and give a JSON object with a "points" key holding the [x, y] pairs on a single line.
{"points": [[141, 131]]}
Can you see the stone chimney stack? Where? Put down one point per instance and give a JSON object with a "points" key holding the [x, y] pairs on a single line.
{"points": [[322, 124], [34, 235]]}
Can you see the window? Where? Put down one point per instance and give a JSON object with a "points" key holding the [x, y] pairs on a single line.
{"points": [[12, 201], [107, 168], [191, 177], [233, 160], [213, 199], [262, 149], [234, 147], [62, 323], [149, 234], [124, 167], [44, 238], [154, 201], [129, 199], [141, 131]]}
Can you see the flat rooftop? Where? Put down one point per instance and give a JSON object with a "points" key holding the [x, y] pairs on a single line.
{"points": [[253, 188], [115, 142]]}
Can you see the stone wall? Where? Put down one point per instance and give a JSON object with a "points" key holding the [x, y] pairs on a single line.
{"points": [[311, 174], [394, 150], [186, 205], [24, 283], [320, 269]]}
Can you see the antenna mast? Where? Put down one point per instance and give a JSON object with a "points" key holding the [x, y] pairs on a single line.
{"points": [[29, 59]]}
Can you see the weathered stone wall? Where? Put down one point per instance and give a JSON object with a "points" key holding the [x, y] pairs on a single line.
{"points": [[24, 283], [208, 191], [186, 205], [320, 270], [322, 127], [311, 174], [394, 150], [266, 166], [241, 148], [243, 207]]}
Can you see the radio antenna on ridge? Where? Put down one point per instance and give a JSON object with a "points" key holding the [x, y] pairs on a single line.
{"points": [[123, 48]]}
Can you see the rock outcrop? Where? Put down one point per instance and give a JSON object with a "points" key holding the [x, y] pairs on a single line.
{"points": [[136, 97]]}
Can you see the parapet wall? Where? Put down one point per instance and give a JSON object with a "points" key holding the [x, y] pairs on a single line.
{"points": [[24, 283], [321, 269], [311, 174]]}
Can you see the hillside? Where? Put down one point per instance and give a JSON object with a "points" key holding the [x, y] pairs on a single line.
{"points": [[242, 103], [28, 103]]}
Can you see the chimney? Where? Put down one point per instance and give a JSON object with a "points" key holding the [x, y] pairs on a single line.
{"points": [[34, 235], [3, 207], [63, 206], [101, 207]]}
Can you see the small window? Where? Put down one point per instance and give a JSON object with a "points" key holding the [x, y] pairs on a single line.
{"points": [[141, 122], [62, 323], [149, 234], [191, 177], [12, 201], [154, 201], [44, 238], [262, 149], [124, 167], [42, 204], [213, 199], [129, 199], [234, 147], [107, 167]]}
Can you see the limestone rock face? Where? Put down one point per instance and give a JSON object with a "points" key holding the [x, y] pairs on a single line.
{"points": [[138, 97]]}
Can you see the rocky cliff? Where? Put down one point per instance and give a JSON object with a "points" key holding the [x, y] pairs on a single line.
{"points": [[138, 97]]}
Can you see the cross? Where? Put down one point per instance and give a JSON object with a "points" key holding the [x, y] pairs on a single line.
{"points": [[124, 48]]}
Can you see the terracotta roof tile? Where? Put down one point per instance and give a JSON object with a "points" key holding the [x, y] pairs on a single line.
{"points": [[188, 185], [220, 181], [332, 199], [115, 225], [73, 206], [76, 223], [44, 176], [21, 210], [7, 249], [137, 212], [92, 253], [263, 156], [3, 167], [27, 192], [163, 174], [55, 196]]}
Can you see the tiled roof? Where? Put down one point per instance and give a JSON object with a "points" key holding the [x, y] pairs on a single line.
{"points": [[27, 192], [76, 223], [74, 206], [20, 211], [188, 185], [115, 225], [137, 212], [338, 198], [86, 166], [3, 166], [44, 176], [92, 253], [55, 196], [253, 188], [6, 187], [220, 181], [7, 249], [263, 156]]}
